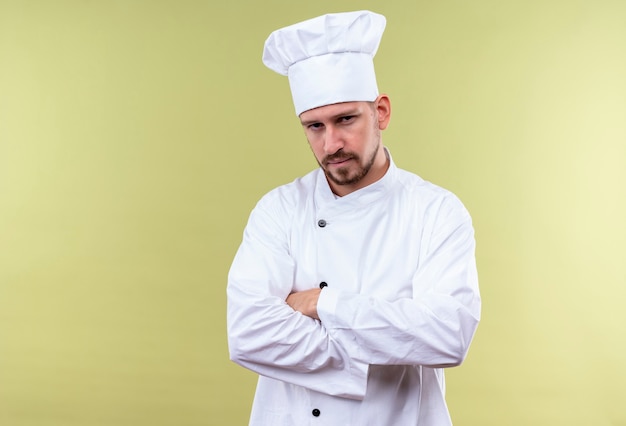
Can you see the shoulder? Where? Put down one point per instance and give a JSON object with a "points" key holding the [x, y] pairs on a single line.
{"points": [[285, 198], [429, 197], [273, 215]]}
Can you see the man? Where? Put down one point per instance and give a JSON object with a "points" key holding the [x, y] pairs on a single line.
{"points": [[355, 284]]}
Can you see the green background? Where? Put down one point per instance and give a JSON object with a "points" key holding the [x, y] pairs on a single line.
{"points": [[136, 136]]}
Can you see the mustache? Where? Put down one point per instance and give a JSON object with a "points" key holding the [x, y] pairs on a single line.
{"points": [[339, 156]]}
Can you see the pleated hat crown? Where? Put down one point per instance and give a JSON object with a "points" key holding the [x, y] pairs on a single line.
{"points": [[328, 59]]}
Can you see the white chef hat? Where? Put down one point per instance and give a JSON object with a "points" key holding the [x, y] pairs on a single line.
{"points": [[328, 59]]}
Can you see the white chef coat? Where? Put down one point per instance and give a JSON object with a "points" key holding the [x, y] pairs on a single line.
{"points": [[401, 302]]}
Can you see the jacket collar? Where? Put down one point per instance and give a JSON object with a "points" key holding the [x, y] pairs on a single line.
{"points": [[325, 198]]}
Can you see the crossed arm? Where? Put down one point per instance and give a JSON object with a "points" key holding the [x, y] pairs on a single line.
{"points": [[432, 325]]}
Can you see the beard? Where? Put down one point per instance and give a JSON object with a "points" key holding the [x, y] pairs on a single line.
{"points": [[348, 175]]}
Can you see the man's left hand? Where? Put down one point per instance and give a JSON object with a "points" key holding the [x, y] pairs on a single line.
{"points": [[305, 302]]}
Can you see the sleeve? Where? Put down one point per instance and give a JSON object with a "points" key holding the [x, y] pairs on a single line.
{"points": [[434, 328], [267, 336]]}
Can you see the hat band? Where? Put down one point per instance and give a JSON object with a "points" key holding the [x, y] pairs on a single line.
{"points": [[332, 78]]}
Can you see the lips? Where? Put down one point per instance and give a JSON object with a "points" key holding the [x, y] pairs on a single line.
{"points": [[337, 161]]}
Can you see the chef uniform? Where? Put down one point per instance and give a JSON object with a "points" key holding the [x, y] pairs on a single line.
{"points": [[395, 261]]}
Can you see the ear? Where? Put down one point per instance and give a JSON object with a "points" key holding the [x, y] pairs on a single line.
{"points": [[383, 108]]}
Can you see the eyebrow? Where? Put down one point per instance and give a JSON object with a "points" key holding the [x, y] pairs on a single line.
{"points": [[350, 112]]}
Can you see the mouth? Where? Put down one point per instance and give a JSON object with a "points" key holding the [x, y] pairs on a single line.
{"points": [[337, 162]]}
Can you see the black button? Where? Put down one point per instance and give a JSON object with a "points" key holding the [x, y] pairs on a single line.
{"points": [[321, 223], [316, 412], [323, 284]]}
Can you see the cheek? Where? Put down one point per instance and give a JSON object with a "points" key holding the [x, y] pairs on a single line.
{"points": [[316, 148], [362, 141]]}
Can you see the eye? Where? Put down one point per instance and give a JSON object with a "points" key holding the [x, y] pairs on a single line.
{"points": [[346, 118], [315, 126]]}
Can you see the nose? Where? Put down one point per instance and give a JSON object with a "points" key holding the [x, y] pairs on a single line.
{"points": [[333, 140]]}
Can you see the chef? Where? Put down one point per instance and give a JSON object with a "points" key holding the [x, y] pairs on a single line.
{"points": [[355, 285]]}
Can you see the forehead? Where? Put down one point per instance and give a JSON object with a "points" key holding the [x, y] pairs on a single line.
{"points": [[328, 112]]}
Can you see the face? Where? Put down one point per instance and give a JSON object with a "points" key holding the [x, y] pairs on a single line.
{"points": [[346, 141]]}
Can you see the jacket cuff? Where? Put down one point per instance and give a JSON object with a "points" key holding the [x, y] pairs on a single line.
{"points": [[327, 305]]}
